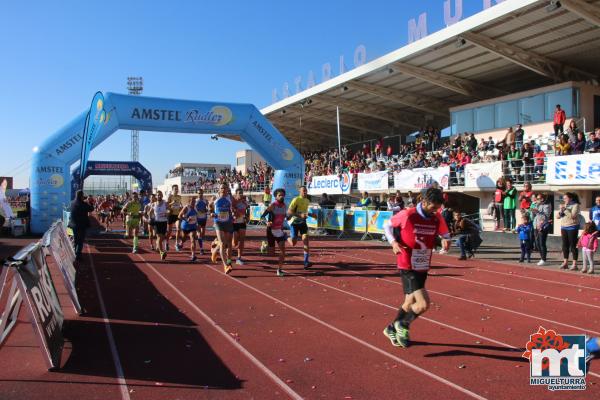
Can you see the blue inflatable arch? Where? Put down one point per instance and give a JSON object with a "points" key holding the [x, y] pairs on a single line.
{"points": [[51, 164], [122, 168]]}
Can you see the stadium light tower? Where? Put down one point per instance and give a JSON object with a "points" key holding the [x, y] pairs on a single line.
{"points": [[135, 86]]}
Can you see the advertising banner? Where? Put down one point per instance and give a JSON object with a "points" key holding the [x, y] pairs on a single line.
{"points": [[373, 181], [42, 300], [376, 219], [333, 219], [256, 212], [421, 178], [95, 119], [311, 222], [356, 220], [330, 184], [483, 175], [582, 169], [62, 252]]}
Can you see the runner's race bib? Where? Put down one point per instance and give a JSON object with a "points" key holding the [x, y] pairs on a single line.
{"points": [[223, 216], [420, 259], [201, 215], [277, 232], [162, 214], [240, 220], [191, 220]]}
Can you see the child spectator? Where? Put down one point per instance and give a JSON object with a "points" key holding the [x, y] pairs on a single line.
{"points": [[588, 243], [525, 231]]}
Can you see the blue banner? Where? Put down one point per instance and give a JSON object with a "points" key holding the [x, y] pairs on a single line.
{"points": [[311, 222], [333, 219], [376, 219], [256, 212], [360, 221], [96, 117]]}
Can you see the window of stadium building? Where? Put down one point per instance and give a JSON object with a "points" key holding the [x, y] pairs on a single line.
{"points": [[241, 160]]}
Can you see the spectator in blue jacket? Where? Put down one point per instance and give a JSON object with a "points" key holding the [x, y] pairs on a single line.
{"points": [[525, 231], [595, 213]]}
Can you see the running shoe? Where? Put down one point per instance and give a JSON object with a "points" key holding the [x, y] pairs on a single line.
{"points": [[193, 258], [461, 258], [177, 248], [201, 252], [442, 251], [541, 262], [589, 355], [401, 334], [167, 245], [390, 333], [239, 261], [163, 255], [134, 250], [307, 265], [227, 268], [280, 272]]}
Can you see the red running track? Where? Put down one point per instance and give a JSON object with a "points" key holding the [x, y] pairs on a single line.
{"points": [[172, 329]]}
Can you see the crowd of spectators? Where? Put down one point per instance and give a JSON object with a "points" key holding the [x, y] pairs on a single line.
{"points": [[255, 179]]}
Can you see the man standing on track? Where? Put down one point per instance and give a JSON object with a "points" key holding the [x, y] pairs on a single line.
{"points": [[412, 233], [202, 210], [132, 209], [298, 211], [175, 206]]}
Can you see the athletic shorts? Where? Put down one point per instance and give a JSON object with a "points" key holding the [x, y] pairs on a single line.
{"points": [[133, 222], [173, 219], [239, 227], [270, 237], [189, 229], [412, 280], [161, 227], [297, 230], [224, 226], [202, 222]]}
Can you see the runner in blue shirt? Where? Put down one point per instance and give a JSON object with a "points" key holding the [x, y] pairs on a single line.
{"points": [[189, 221], [202, 209], [223, 223]]}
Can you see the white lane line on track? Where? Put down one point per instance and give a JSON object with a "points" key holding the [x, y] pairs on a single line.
{"points": [[111, 340], [226, 335], [481, 303], [354, 338], [374, 249]]}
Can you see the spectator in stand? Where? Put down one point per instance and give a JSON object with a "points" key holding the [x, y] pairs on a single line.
{"points": [[509, 138], [542, 223], [559, 120], [393, 205], [525, 197], [509, 204], [572, 131], [472, 143], [267, 197], [365, 200], [578, 147], [514, 158], [491, 146], [519, 135], [400, 199], [595, 213], [326, 202], [593, 143], [499, 201], [569, 227], [539, 157], [528, 160], [388, 152], [563, 148], [379, 147]]}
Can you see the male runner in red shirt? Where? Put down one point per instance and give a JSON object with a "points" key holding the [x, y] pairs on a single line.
{"points": [[412, 233]]}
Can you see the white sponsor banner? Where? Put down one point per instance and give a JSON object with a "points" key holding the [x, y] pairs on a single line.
{"points": [[373, 181], [483, 175], [330, 184], [581, 169], [421, 178]]}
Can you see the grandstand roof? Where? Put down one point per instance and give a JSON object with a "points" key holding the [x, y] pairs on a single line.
{"points": [[513, 46]]}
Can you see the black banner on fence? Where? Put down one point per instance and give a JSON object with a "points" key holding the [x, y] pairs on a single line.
{"points": [[57, 241], [42, 301]]}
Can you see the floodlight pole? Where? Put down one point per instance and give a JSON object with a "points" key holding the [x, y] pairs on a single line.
{"points": [[337, 109], [135, 86]]}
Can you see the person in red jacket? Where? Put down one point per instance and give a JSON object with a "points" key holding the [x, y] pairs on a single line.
{"points": [[412, 233], [559, 120]]}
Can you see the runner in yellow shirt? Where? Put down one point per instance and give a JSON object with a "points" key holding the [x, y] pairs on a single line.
{"points": [[132, 210], [298, 211]]}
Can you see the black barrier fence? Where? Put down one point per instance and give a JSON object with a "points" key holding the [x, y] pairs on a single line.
{"points": [[26, 279]]}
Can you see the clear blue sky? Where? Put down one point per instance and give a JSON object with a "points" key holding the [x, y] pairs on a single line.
{"points": [[56, 55]]}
